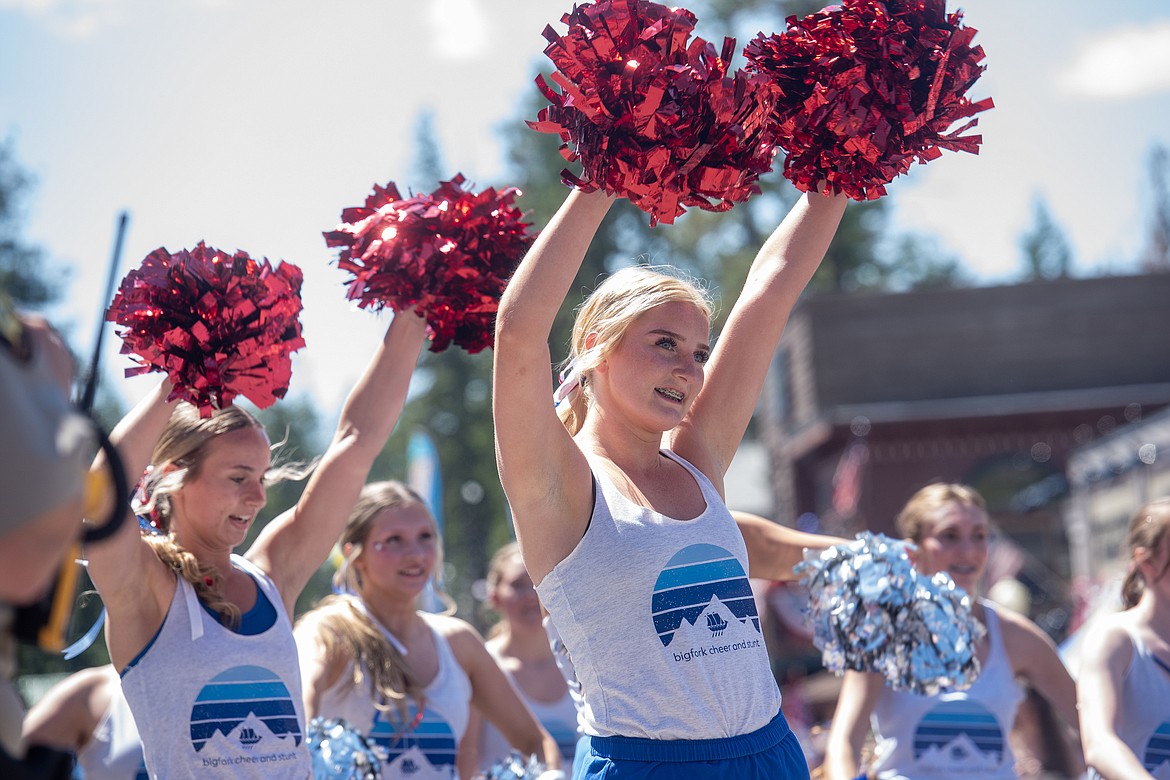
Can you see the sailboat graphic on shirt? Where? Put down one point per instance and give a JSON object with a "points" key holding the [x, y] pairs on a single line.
{"points": [[424, 752], [245, 707], [702, 579]]}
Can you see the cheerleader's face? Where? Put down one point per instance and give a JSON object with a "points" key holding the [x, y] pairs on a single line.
{"points": [[398, 556], [651, 377], [217, 505], [514, 596], [956, 542]]}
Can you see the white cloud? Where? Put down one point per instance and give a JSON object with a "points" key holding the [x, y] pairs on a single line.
{"points": [[1124, 63], [459, 27], [72, 18]]}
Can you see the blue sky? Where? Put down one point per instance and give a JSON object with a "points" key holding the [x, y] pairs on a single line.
{"points": [[250, 124]]}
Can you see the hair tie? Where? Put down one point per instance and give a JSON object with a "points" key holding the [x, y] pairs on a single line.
{"points": [[209, 581], [570, 379]]}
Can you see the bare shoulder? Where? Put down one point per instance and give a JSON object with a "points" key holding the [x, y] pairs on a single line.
{"points": [[465, 642], [454, 629], [1017, 628], [320, 619], [1108, 641], [1025, 642]]}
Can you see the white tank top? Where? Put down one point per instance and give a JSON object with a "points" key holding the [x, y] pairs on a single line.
{"points": [[951, 736], [211, 703], [1143, 717], [559, 719], [660, 621], [114, 752], [425, 747]]}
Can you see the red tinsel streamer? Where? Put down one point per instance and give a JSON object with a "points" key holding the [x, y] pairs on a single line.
{"points": [[870, 86], [445, 256], [218, 325], [653, 117]]}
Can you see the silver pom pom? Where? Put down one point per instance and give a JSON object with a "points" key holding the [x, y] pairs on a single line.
{"points": [[340, 752], [872, 611], [517, 767]]}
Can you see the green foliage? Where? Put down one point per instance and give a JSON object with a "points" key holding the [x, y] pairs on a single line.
{"points": [[1046, 251], [454, 409], [23, 273], [1156, 256]]}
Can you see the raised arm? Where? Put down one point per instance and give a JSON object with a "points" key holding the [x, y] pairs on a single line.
{"points": [[712, 431], [774, 549], [545, 476], [1108, 655], [136, 587], [295, 544]]}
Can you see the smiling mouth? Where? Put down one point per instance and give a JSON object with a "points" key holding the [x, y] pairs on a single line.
{"points": [[670, 393]]}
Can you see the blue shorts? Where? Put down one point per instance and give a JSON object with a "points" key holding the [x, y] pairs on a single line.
{"points": [[770, 753]]}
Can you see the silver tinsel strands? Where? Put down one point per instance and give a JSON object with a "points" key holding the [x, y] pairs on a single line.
{"points": [[517, 767], [339, 752], [872, 611]]}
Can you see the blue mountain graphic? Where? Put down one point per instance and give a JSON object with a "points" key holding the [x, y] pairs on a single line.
{"points": [[231, 696], [1158, 748], [433, 736], [950, 719], [691, 578]]}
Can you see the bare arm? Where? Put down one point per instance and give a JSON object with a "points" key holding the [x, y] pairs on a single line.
{"points": [[495, 698], [544, 474], [320, 670], [135, 586], [1106, 660], [774, 549], [294, 545], [850, 727], [714, 426], [467, 760], [1034, 656], [67, 715]]}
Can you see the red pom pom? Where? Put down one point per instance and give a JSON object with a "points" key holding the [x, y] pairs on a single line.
{"points": [[869, 87], [652, 117], [218, 325], [446, 256]]}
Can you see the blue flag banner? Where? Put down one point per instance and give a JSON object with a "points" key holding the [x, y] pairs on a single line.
{"points": [[424, 477]]}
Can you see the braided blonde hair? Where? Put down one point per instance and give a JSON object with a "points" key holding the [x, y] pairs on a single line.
{"points": [[178, 456]]}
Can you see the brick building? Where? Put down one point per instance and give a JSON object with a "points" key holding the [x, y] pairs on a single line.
{"points": [[992, 386]]}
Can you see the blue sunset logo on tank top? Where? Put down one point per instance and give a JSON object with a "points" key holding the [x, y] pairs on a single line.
{"points": [[960, 734], [424, 751], [245, 707], [702, 578], [1158, 752]]}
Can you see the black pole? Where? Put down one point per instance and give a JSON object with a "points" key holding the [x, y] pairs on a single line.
{"points": [[87, 397]]}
